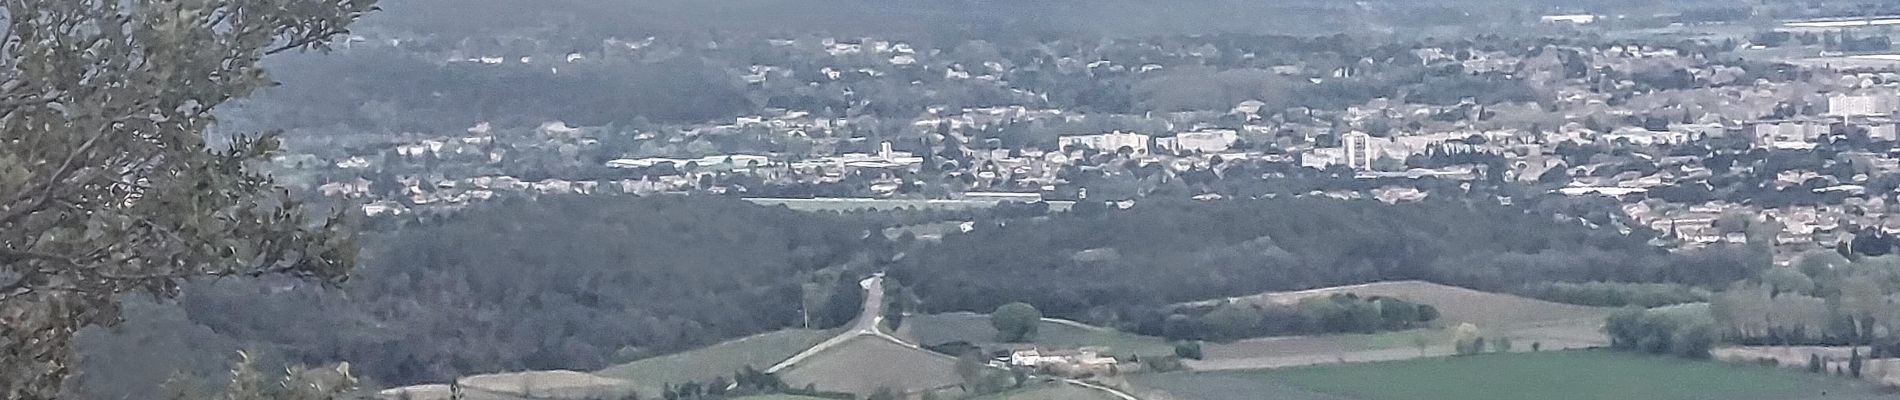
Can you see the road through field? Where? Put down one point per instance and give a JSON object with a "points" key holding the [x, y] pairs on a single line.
{"points": [[869, 318]]}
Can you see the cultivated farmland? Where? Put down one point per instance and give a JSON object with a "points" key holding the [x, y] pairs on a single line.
{"points": [[1553, 326], [1570, 375], [704, 364], [865, 363], [1050, 391]]}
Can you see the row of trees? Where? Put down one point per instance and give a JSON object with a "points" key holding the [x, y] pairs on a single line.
{"points": [[1824, 298], [1684, 331], [1337, 313], [1616, 294]]}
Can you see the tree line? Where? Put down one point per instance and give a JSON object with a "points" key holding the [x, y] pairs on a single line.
{"points": [[1125, 268]]}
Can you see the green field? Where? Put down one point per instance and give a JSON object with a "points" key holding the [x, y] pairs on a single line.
{"points": [[780, 397], [863, 364], [704, 364], [975, 328], [1050, 391], [1573, 375]]}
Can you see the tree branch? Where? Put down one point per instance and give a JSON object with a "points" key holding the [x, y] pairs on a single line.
{"points": [[306, 40], [13, 256]]}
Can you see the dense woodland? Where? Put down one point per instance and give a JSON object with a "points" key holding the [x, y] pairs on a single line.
{"points": [[557, 283], [1124, 267], [580, 283]]}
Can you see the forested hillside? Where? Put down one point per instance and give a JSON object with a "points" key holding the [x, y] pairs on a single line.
{"points": [[579, 283], [1122, 267], [555, 283]]}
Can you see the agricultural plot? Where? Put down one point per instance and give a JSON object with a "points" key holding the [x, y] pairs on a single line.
{"points": [[1552, 326], [1050, 391], [1577, 375], [546, 385], [704, 364], [866, 363], [780, 397], [1218, 386], [1295, 351], [1058, 334]]}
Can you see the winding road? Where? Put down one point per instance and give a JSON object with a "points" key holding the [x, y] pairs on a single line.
{"points": [[866, 324], [871, 320]]}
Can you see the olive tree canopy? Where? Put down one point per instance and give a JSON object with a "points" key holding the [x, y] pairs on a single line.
{"points": [[107, 183]]}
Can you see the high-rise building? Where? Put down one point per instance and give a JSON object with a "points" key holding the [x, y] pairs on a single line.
{"points": [[1359, 150]]}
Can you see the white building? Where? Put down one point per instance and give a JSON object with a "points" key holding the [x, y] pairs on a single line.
{"points": [[1206, 141], [1788, 132], [1359, 150], [1107, 142], [1841, 105], [1322, 158], [1579, 19]]}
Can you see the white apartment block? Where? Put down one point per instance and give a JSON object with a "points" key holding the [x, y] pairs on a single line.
{"points": [[1207, 141], [1107, 142], [1864, 105]]}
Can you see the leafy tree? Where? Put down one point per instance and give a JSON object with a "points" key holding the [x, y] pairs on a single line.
{"points": [[1466, 339], [1854, 363], [1015, 322], [1188, 349], [1788, 280], [107, 182], [1231, 322]]}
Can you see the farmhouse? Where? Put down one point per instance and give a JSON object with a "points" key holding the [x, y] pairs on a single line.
{"points": [[1067, 362]]}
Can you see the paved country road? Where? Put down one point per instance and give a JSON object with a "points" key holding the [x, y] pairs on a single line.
{"points": [[866, 323], [870, 321]]}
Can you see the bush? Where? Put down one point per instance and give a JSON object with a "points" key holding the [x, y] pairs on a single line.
{"points": [[1467, 339], [1688, 332], [1188, 349], [1015, 322], [1616, 294]]}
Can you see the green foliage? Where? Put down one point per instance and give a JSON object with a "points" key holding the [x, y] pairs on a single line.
{"points": [[1854, 362], [247, 383], [1015, 322], [1467, 340], [1616, 294], [1188, 349], [107, 182], [1337, 313], [1787, 280], [1222, 249], [1683, 331], [552, 283]]}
